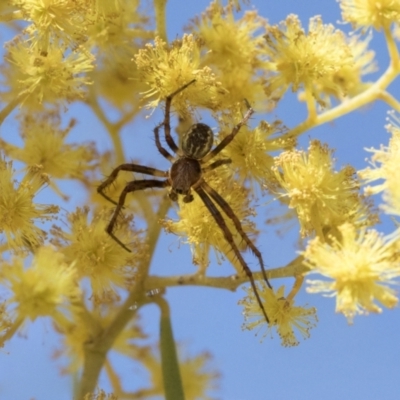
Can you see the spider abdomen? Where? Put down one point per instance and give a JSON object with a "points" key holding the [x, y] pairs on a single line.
{"points": [[184, 173], [197, 141]]}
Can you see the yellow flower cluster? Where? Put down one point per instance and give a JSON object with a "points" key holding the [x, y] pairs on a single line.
{"points": [[115, 32], [361, 265], [18, 212], [385, 165], [54, 75], [47, 288], [97, 256], [322, 62], [45, 148], [370, 13], [233, 48], [167, 68], [283, 315], [51, 19], [251, 151], [322, 197]]}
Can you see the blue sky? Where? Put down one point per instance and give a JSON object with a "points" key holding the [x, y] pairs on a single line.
{"points": [[338, 361]]}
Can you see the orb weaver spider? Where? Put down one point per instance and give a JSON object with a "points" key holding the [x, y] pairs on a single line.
{"points": [[185, 175]]}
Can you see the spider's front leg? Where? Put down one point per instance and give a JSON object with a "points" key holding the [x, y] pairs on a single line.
{"points": [[167, 116], [227, 139], [131, 187], [127, 167]]}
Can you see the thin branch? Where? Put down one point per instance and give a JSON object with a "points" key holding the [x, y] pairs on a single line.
{"points": [[390, 100], [372, 93], [232, 282], [8, 109]]}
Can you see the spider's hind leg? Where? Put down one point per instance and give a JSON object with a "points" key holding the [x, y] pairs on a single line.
{"points": [[229, 238], [230, 213]]}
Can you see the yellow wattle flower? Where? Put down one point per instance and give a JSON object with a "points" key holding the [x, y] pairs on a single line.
{"points": [[18, 212], [370, 13], [282, 313], [385, 165], [48, 287], [322, 62], [56, 75], [97, 256], [166, 68], [322, 197], [360, 267]]}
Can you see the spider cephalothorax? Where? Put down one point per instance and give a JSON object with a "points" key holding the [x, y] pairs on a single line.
{"points": [[185, 175]]}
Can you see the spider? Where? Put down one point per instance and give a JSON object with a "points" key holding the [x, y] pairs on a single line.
{"points": [[185, 175]]}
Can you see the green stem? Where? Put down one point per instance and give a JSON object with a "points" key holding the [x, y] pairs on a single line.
{"points": [[94, 359], [169, 358]]}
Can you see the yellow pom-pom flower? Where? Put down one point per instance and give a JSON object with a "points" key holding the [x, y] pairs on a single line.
{"points": [[53, 18], [361, 267], [251, 149], [97, 256], [282, 313], [47, 288], [45, 149], [167, 68], [370, 13], [234, 50], [322, 62], [57, 75], [18, 212], [322, 197], [385, 165]]}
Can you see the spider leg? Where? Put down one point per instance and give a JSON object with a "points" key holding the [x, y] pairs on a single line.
{"points": [[167, 127], [230, 213], [128, 167], [160, 148], [227, 139], [131, 187], [229, 238], [216, 164]]}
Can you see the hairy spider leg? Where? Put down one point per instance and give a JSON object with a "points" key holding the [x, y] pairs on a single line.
{"points": [[227, 139], [229, 212], [131, 168], [165, 153], [131, 187], [167, 127], [229, 238]]}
